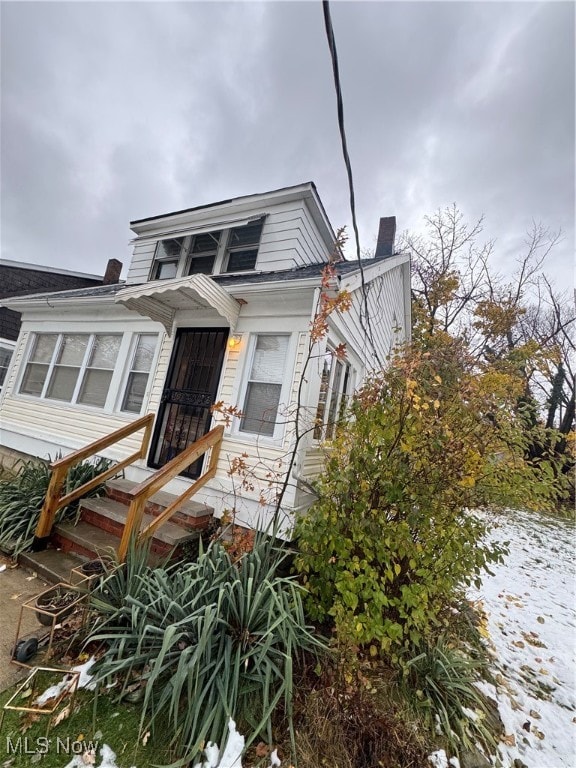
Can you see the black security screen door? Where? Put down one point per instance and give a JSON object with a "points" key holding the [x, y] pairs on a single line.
{"points": [[191, 386]]}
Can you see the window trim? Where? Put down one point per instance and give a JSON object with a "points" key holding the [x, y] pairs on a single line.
{"points": [[348, 374], [221, 254], [127, 369], [119, 372], [229, 250], [10, 348], [283, 402]]}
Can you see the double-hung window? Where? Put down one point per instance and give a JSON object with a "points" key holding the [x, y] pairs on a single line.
{"points": [[264, 386], [139, 373], [71, 367], [335, 386], [242, 247], [5, 357], [203, 251], [167, 258]]}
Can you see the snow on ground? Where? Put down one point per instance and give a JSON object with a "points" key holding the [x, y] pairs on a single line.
{"points": [[89, 759], [531, 613], [84, 681]]}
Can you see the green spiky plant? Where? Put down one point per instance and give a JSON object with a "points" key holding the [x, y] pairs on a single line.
{"points": [[22, 495], [209, 640], [441, 681]]}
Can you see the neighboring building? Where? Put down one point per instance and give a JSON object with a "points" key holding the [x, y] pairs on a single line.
{"points": [[20, 279], [217, 306]]}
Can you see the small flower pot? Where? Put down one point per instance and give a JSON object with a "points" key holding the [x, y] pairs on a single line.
{"points": [[55, 604], [95, 567]]}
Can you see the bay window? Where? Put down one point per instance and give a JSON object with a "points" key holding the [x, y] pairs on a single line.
{"points": [[264, 384]]}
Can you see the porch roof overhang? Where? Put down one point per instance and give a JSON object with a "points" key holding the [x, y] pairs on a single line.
{"points": [[161, 299]]}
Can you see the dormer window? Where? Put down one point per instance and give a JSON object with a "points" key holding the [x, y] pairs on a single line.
{"points": [[203, 252], [242, 247], [232, 249], [167, 258]]}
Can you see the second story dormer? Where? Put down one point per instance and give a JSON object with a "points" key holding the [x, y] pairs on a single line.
{"points": [[270, 232]]}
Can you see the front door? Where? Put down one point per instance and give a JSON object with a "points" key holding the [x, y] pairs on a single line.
{"points": [[191, 386]]}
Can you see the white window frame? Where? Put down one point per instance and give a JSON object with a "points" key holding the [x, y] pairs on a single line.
{"points": [[128, 369], [288, 375], [320, 430], [180, 259], [221, 253], [73, 402], [9, 347]]}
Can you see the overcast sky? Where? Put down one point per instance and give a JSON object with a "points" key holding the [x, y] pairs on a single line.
{"points": [[119, 111]]}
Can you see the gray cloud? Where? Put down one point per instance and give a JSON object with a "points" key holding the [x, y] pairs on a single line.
{"points": [[116, 111]]}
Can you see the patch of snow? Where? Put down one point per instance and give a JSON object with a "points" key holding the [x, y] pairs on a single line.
{"points": [[470, 714], [438, 759], [531, 620], [232, 755], [53, 692], [86, 681], [274, 759], [107, 755]]}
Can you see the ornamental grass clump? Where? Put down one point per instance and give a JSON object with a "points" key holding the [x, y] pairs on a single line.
{"points": [[22, 494], [208, 640], [442, 681]]}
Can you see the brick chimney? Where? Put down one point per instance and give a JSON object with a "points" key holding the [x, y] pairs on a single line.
{"points": [[386, 236], [112, 274]]}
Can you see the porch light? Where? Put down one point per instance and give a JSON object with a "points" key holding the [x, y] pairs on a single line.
{"points": [[234, 341]]}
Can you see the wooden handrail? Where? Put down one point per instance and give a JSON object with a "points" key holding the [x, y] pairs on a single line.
{"points": [[142, 493], [54, 501]]}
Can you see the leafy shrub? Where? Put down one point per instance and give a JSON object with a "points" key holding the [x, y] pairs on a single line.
{"points": [[390, 541], [209, 640], [22, 495]]}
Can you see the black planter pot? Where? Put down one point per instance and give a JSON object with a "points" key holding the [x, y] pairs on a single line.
{"points": [[57, 602]]}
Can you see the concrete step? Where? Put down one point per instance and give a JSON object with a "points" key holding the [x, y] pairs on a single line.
{"points": [[84, 539], [191, 514], [52, 565], [111, 516]]}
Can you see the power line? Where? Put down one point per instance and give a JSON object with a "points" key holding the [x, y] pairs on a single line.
{"points": [[340, 110]]}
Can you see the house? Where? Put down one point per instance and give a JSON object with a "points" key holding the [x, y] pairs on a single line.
{"points": [[216, 308], [19, 279]]}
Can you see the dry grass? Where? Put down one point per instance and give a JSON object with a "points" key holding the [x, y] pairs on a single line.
{"points": [[353, 720]]}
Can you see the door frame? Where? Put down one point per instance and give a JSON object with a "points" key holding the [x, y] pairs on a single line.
{"points": [[156, 434]]}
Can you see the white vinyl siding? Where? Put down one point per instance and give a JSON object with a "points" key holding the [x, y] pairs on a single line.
{"points": [[290, 238]]}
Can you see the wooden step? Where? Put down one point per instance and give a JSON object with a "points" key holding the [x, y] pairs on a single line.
{"points": [[191, 514]]}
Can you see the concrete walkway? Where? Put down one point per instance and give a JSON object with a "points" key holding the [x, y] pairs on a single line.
{"points": [[16, 586]]}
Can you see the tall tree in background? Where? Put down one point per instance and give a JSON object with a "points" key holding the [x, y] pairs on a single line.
{"points": [[516, 323]]}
